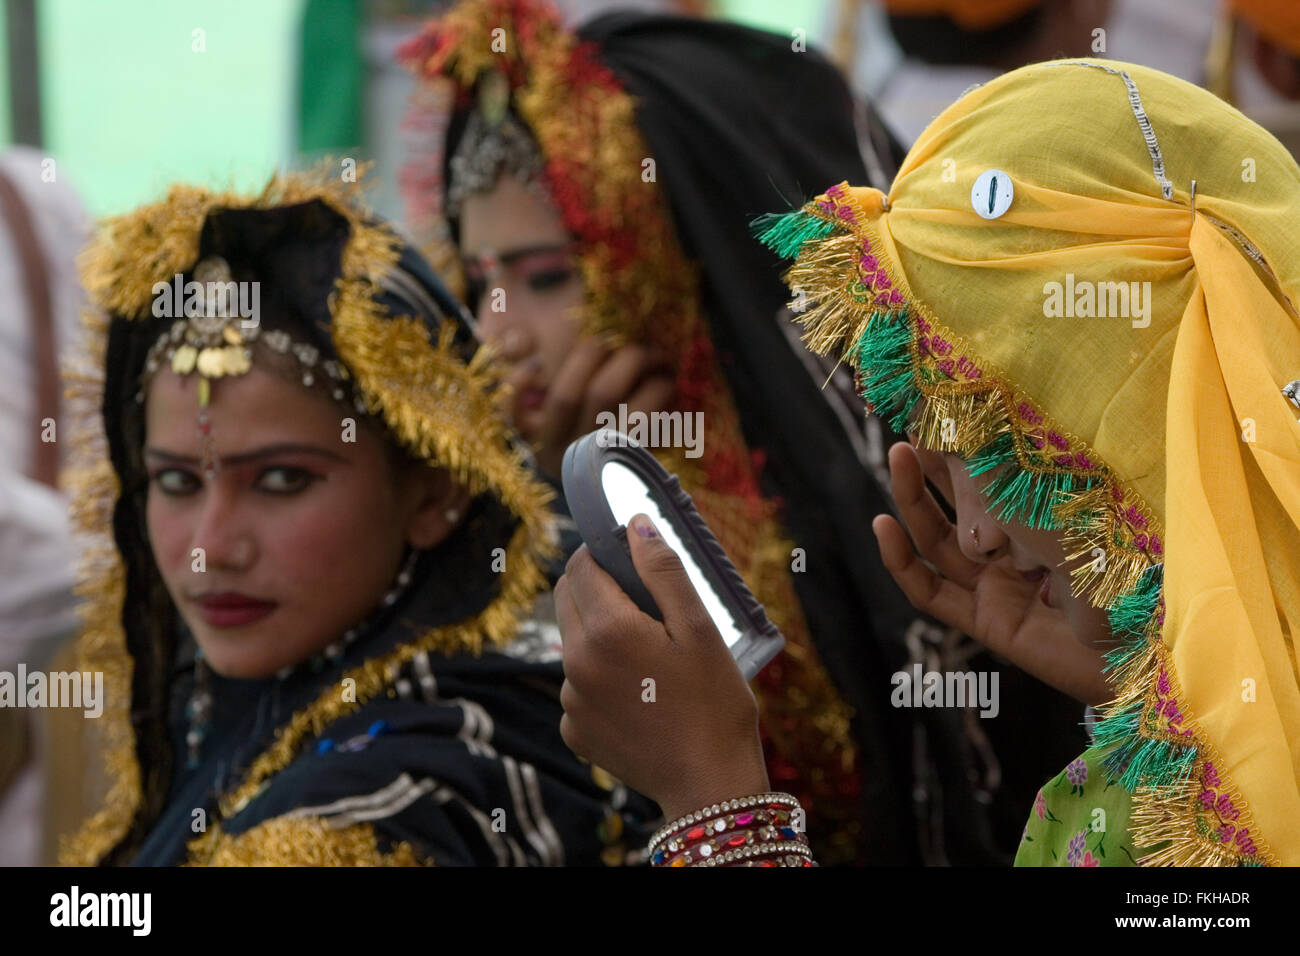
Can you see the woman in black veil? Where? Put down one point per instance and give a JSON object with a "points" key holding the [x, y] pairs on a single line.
{"points": [[311, 536]]}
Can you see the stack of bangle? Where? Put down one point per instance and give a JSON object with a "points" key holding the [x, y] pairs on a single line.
{"points": [[751, 831]]}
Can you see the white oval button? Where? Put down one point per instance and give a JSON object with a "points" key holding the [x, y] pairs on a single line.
{"points": [[992, 193]]}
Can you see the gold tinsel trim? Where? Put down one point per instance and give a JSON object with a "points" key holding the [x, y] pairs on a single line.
{"points": [[585, 125], [119, 271], [408, 382], [1171, 817], [93, 489], [300, 841], [826, 271]]}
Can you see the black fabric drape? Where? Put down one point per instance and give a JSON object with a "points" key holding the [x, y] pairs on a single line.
{"points": [[294, 252], [740, 125]]}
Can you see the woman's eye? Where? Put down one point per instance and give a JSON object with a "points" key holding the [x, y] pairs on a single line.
{"points": [[174, 481], [548, 279], [284, 480]]}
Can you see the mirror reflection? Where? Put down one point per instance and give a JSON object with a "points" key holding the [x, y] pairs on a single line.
{"points": [[628, 496]]}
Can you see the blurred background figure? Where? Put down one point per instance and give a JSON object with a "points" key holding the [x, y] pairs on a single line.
{"points": [[951, 45], [42, 227], [1254, 64]]}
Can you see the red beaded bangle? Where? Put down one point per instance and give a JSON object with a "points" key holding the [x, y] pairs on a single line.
{"points": [[745, 832], [762, 800]]}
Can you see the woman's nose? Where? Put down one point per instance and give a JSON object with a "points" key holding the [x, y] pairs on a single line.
{"points": [[509, 335], [220, 537], [980, 537]]}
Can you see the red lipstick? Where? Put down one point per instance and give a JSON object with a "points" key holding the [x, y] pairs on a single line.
{"points": [[1043, 577], [232, 609], [531, 399]]}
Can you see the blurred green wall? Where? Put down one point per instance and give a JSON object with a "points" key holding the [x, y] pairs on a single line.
{"points": [[133, 98], [130, 103]]}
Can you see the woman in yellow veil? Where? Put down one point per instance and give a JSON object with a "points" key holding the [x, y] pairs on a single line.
{"points": [[1079, 299]]}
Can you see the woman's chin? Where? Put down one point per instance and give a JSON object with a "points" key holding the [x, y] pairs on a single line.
{"points": [[245, 657], [238, 666]]}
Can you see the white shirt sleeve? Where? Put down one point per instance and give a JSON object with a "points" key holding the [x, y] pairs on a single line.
{"points": [[37, 570]]}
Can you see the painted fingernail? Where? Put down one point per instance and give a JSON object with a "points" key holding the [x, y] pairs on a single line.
{"points": [[644, 527]]}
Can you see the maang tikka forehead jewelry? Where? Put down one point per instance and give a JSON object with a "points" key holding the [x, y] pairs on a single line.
{"points": [[217, 342], [493, 142]]}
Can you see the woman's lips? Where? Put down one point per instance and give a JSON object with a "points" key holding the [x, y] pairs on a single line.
{"points": [[1045, 591], [232, 610], [531, 399], [1044, 578]]}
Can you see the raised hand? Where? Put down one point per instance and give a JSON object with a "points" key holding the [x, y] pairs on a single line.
{"points": [[663, 707], [989, 600], [593, 379]]}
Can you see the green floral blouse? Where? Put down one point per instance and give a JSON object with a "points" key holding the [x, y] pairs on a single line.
{"points": [[1080, 818]]}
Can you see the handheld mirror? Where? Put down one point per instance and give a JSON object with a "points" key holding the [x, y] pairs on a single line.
{"points": [[608, 479]]}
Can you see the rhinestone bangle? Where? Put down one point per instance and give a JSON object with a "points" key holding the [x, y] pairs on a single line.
{"points": [[796, 855], [727, 806], [756, 840], [766, 823]]}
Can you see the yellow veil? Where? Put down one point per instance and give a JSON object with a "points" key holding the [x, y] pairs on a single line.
{"points": [[1120, 335]]}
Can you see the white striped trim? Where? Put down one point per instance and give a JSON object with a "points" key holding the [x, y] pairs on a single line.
{"points": [[392, 799], [477, 726], [507, 850], [531, 834], [534, 790], [1144, 122], [363, 801]]}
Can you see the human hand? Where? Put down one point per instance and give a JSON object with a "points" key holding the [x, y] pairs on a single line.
{"points": [[663, 707], [990, 601], [594, 379]]}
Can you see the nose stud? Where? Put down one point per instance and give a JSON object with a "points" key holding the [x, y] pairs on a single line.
{"points": [[975, 534], [240, 555], [512, 341]]}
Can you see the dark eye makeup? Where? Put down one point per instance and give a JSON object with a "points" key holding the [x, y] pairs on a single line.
{"points": [[276, 480], [544, 280]]}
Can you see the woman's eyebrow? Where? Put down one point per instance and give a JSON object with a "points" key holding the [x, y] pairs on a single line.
{"points": [[524, 252], [268, 451], [512, 256]]}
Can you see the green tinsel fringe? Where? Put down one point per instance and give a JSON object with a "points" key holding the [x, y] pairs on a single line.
{"points": [[1000, 451], [1140, 761], [1137, 760], [785, 233], [886, 367], [1131, 613], [1019, 494]]}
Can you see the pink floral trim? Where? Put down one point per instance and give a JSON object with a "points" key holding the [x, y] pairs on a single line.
{"points": [[1219, 815], [1166, 710], [933, 344]]}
